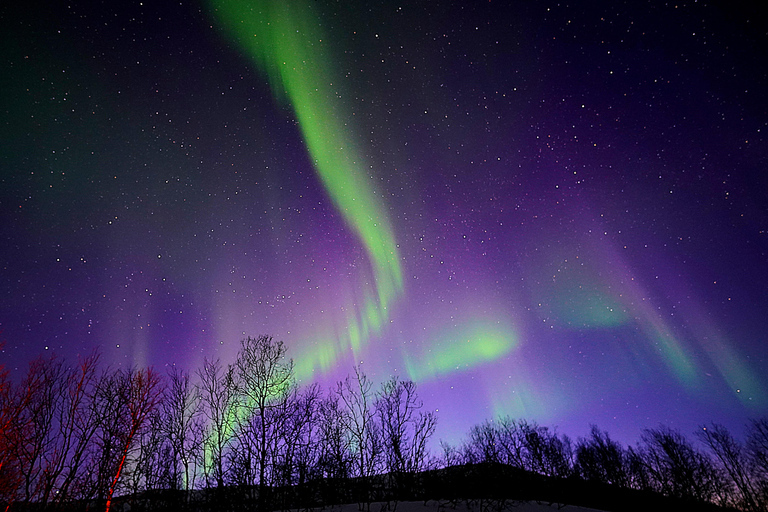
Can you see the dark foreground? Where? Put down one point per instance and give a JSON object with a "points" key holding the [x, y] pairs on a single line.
{"points": [[472, 488]]}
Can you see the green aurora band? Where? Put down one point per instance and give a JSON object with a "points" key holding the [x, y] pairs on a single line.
{"points": [[283, 40], [460, 348]]}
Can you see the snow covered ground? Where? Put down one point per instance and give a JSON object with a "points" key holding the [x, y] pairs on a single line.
{"points": [[461, 506]]}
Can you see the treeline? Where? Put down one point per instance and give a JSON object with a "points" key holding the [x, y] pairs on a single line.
{"points": [[79, 436], [86, 434], [718, 469]]}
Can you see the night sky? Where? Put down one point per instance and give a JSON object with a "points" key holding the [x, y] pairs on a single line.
{"points": [[549, 210]]}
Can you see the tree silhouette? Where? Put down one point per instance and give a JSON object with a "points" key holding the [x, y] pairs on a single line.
{"points": [[757, 446], [77, 424], [34, 433], [601, 459], [335, 457], [356, 401], [405, 431], [264, 380], [11, 407], [521, 444], [217, 389], [181, 427], [734, 462], [78, 432], [405, 428], [676, 468], [132, 395]]}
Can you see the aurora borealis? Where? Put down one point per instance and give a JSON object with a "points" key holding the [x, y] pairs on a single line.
{"points": [[281, 38], [551, 211]]}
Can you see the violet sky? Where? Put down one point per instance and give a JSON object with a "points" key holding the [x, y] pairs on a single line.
{"points": [[555, 211]]}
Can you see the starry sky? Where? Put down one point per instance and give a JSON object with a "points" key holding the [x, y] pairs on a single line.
{"points": [[555, 211]]}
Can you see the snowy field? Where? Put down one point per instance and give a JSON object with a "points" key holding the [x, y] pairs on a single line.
{"points": [[462, 506]]}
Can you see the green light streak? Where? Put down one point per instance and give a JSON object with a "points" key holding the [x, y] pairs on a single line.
{"points": [[572, 293], [460, 349], [353, 330], [675, 356], [580, 305], [577, 289], [284, 41], [743, 382], [321, 354], [519, 401], [673, 350], [747, 386]]}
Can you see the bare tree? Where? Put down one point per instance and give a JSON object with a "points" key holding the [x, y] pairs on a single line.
{"points": [[600, 458], [134, 395], [547, 453], [153, 465], [484, 444], [336, 444], [217, 393], [356, 403], [356, 400], [520, 444], [405, 428], [264, 381], [676, 468], [53, 424], [181, 426], [640, 477], [511, 442], [450, 455], [35, 437], [109, 409], [405, 432], [757, 448], [298, 452], [734, 461], [11, 406], [77, 423], [308, 421]]}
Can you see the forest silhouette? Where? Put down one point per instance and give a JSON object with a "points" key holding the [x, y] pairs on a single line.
{"points": [[82, 436]]}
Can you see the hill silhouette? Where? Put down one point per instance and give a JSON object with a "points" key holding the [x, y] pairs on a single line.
{"points": [[483, 487]]}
